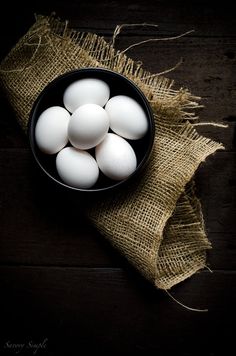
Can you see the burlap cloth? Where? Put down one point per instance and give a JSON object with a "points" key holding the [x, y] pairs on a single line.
{"points": [[157, 223]]}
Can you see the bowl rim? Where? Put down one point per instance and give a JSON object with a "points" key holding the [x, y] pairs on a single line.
{"points": [[89, 70]]}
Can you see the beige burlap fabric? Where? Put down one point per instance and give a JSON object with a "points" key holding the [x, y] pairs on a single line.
{"points": [[156, 223]]}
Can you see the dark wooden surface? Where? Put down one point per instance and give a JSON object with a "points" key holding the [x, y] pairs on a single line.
{"points": [[63, 288]]}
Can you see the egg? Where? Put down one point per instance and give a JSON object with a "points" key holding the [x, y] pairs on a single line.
{"points": [[88, 126], [51, 129], [85, 91], [115, 157], [127, 117], [77, 168]]}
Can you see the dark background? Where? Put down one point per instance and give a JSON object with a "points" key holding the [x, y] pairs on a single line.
{"points": [[61, 284]]}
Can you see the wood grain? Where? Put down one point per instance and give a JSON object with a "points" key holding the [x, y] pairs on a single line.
{"points": [[115, 311]]}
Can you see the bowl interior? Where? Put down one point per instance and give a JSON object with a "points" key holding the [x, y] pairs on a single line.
{"points": [[53, 95]]}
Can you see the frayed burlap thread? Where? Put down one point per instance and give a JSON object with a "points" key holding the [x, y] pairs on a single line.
{"points": [[157, 222]]}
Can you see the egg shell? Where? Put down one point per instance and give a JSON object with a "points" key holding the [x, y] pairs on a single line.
{"points": [[51, 131], [77, 168], [86, 91], [88, 126], [116, 157], [127, 117]]}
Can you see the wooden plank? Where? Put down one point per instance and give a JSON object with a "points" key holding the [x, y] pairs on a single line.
{"points": [[223, 252], [103, 17], [217, 190], [115, 311], [12, 135], [39, 227]]}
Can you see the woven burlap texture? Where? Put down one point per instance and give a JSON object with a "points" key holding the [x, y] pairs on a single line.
{"points": [[157, 222]]}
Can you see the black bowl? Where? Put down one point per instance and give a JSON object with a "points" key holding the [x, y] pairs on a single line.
{"points": [[52, 95]]}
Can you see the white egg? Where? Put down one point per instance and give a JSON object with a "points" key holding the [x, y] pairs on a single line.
{"points": [[127, 117], [51, 131], [116, 157], [88, 126], [85, 91], [77, 168]]}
